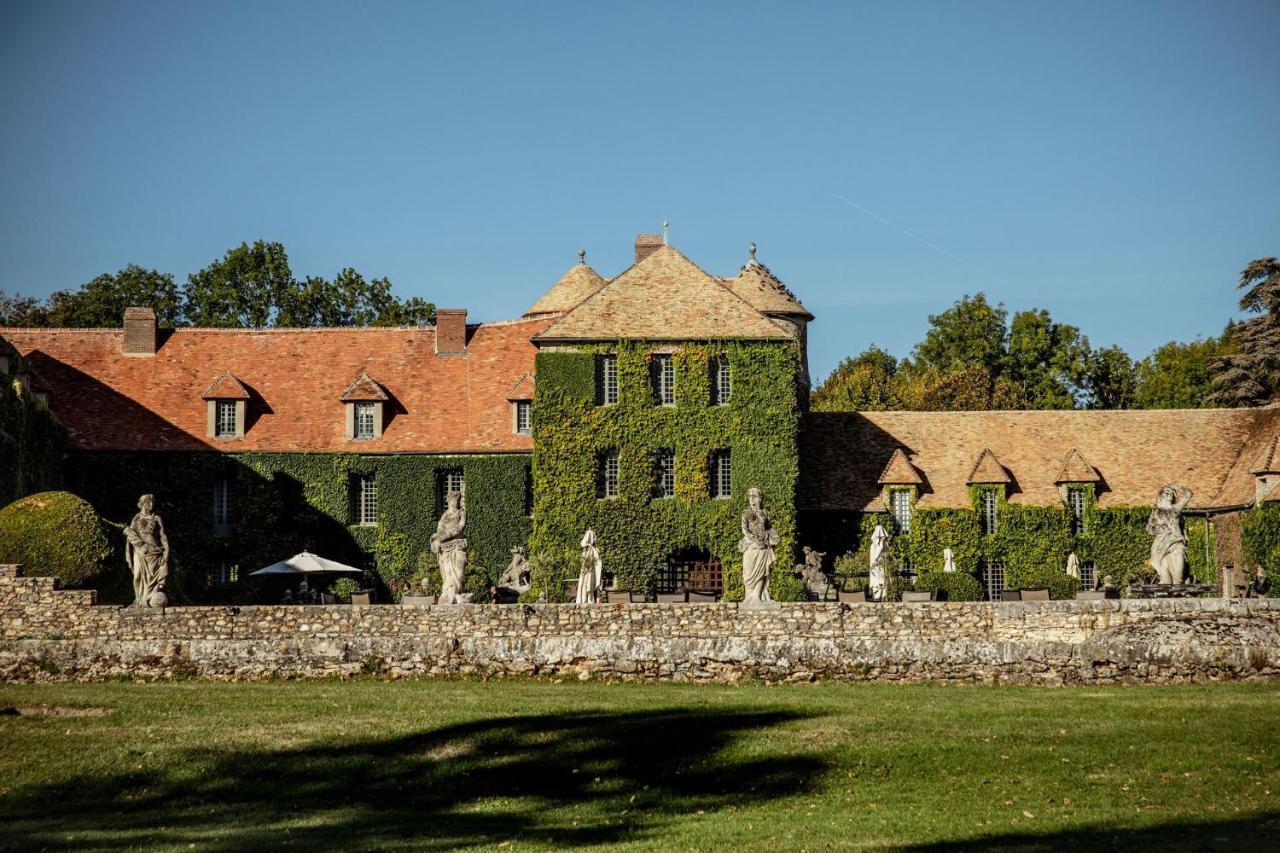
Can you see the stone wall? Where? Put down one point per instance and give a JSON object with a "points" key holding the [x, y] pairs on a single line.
{"points": [[48, 633]]}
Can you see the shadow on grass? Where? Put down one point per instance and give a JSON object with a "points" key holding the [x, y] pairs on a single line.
{"points": [[1234, 834], [566, 780]]}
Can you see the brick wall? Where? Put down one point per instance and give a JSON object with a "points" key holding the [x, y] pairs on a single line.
{"points": [[47, 633]]}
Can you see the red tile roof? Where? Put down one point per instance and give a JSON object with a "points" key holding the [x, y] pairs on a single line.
{"points": [[1075, 469], [225, 386], [898, 471], [363, 389], [987, 469], [109, 401]]}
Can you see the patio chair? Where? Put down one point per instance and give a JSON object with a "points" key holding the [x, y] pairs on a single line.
{"points": [[1035, 595]]}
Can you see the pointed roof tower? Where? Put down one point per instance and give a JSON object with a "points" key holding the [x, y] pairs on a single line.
{"points": [[764, 291], [574, 286], [987, 470], [899, 471], [1075, 469], [664, 296]]}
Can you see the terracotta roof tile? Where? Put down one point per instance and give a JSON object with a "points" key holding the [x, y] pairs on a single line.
{"points": [[574, 286], [765, 292], [987, 469], [1076, 470], [437, 404], [665, 296], [899, 471], [1136, 453], [363, 389], [1268, 461], [225, 386]]}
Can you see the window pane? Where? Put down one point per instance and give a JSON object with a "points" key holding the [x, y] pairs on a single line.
{"points": [[524, 417], [993, 578], [607, 475], [366, 499], [721, 474], [225, 421], [1075, 503], [607, 380], [901, 503], [665, 474], [721, 389], [988, 517], [364, 420], [664, 380], [221, 505]]}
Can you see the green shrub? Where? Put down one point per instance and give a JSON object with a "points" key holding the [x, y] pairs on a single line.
{"points": [[1058, 582], [343, 589], [55, 534], [959, 586], [549, 575]]}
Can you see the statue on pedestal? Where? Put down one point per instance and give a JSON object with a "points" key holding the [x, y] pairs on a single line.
{"points": [[878, 580], [450, 548], [756, 545], [146, 550], [815, 579], [1169, 549], [515, 580], [590, 571]]}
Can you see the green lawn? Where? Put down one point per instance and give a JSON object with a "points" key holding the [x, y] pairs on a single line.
{"points": [[528, 765]]}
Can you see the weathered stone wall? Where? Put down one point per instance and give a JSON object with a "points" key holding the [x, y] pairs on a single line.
{"points": [[47, 633]]}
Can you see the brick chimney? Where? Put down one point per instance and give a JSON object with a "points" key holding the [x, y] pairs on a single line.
{"points": [[139, 331], [451, 331], [646, 245]]}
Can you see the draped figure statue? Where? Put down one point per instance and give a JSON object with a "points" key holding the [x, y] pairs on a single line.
{"points": [[146, 549], [590, 571], [450, 548], [1169, 548], [757, 544]]}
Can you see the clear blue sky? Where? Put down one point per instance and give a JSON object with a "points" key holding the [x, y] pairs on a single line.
{"points": [[1117, 163]]}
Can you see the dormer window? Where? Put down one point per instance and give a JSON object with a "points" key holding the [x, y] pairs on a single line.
{"points": [[363, 401], [226, 420], [226, 401]]}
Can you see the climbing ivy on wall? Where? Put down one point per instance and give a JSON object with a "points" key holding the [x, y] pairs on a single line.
{"points": [[1261, 540], [636, 532], [30, 444], [284, 502]]}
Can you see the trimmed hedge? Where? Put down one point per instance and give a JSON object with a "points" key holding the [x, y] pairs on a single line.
{"points": [[30, 443], [55, 534], [637, 531]]}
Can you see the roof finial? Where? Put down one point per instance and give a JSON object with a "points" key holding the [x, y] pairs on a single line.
{"points": [[582, 256], [751, 250], [665, 224]]}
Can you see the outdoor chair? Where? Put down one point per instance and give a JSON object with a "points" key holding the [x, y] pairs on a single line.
{"points": [[701, 596], [673, 597], [1010, 595], [857, 597], [916, 596], [364, 596], [1035, 595]]}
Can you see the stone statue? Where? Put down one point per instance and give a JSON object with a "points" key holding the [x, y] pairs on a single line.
{"points": [[146, 550], [515, 580], [948, 561], [811, 571], [756, 545], [590, 570], [878, 580], [450, 548], [1169, 549]]}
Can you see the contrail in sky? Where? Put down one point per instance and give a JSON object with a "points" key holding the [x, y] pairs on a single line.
{"points": [[914, 236]]}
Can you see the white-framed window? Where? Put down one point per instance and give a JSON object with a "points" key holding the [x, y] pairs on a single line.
{"points": [[224, 424], [524, 417], [721, 385], [365, 414], [222, 507], [364, 503], [224, 573], [664, 379], [606, 380], [450, 480], [607, 474], [992, 572], [900, 505], [664, 473], [721, 474], [1076, 506], [988, 512]]}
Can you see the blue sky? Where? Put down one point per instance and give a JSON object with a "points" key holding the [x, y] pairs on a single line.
{"points": [[1116, 163]]}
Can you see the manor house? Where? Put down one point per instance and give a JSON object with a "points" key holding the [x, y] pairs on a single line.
{"points": [[643, 406]]}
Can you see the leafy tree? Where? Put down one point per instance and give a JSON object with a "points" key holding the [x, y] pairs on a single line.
{"points": [[19, 310], [863, 383], [1048, 361], [1112, 380], [350, 300], [1251, 374], [971, 333], [972, 389], [245, 288], [1178, 375], [100, 303]]}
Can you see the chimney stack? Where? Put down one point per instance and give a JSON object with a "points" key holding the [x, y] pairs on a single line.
{"points": [[646, 245], [451, 331], [139, 331]]}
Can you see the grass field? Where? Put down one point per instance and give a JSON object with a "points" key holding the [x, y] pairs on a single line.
{"points": [[526, 765]]}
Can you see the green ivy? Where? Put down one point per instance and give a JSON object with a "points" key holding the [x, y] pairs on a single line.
{"points": [[30, 444], [637, 532], [1260, 536], [284, 502]]}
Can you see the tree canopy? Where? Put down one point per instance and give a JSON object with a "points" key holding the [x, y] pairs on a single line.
{"points": [[1250, 373]]}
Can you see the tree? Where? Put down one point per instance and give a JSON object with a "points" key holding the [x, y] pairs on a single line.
{"points": [[1112, 380], [1250, 375], [247, 287], [974, 389], [970, 333], [350, 300], [1178, 375], [863, 383], [1048, 361], [19, 310], [100, 303]]}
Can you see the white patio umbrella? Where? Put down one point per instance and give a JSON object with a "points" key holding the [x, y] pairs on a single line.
{"points": [[304, 564], [1073, 565], [948, 561]]}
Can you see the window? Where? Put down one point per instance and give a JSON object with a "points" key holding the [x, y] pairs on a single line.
{"points": [[988, 517], [607, 474], [225, 420], [222, 507], [900, 503], [992, 576], [450, 480], [1075, 504], [721, 474], [664, 379], [524, 417], [1087, 575], [364, 500], [606, 380], [721, 387], [225, 573], [364, 420], [664, 473]]}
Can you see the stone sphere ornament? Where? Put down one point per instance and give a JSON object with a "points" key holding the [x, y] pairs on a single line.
{"points": [[158, 599]]}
